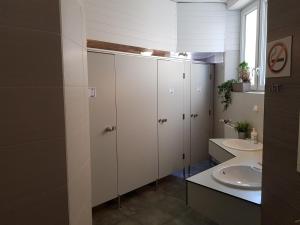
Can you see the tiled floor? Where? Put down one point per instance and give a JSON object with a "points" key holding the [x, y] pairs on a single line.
{"points": [[197, 168], [147, 206]]}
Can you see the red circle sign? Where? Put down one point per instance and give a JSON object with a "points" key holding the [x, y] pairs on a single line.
{"points": [[278, 57]]}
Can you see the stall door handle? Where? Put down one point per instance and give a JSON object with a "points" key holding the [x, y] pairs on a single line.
{"points": [[161, 121], [110, 129]]}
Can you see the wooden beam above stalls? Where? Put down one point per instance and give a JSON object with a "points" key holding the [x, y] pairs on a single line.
{"points": [[124, 48]]}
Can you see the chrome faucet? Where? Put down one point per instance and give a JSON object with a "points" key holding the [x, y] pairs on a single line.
{"points": [[228, 122]]}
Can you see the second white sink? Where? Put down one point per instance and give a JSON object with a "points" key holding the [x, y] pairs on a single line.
{"points": [[242, 145], [241, 176]]}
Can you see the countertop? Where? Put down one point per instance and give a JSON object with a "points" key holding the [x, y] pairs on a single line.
{"points": [[240, 157]]}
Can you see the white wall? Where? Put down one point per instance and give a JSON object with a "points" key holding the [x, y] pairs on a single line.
{"points": [[241, 109], [207, 27], [237, 4], [242, 105], [164, 25], [201, 27], [144, 23], [76, 112], [232, 30]]}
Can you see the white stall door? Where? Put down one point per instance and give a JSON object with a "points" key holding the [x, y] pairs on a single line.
{"points": [[103, 127], [136, 89], [170, 121], [200, 108]]}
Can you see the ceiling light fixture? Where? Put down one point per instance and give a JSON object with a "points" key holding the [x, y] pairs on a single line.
{"points": [[147, 53]]}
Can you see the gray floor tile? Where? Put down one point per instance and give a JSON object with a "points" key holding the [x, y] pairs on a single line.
{"points": [[192, 217], [175, 222], [173, 206], [147, 206], [107, 215], [128, 222], [152, 216], [153, 196]]}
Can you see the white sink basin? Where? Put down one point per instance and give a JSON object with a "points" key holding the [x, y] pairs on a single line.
{"points": [[242, 145], [241, 176]]}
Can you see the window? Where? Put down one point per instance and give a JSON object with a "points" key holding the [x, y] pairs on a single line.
{"points": [[254, 41], [251, 40]]}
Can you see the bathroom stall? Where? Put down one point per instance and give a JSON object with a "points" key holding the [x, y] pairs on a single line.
{"points": [[201, 110], [149, 116], [170, 116], [136, 105], [103, 135]]}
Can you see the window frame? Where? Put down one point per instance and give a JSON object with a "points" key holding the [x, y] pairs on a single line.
{"points": [[263, 27], [261, 40], [247, 10]]}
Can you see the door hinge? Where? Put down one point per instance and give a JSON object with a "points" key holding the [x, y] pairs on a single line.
{"points": [[209, 112], [183, 156], [183, 75], [183, 116]]}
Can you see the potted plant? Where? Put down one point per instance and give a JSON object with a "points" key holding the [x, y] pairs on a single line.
{"points": [[244, 83], [224, 91], [243, 129]]}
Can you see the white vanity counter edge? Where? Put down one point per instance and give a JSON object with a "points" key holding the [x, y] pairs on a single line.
{"points": [[240, 157]]}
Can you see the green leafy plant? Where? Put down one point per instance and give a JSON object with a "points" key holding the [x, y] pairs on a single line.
{"points": [[224, 91], [244, 72], [242, 127], [244, 66]]}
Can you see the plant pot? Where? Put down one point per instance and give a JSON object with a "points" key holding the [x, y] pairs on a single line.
{"points": [[241, 87], [242, 135]]}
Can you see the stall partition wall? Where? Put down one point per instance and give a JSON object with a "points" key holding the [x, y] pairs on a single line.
{"points": [[187, 118], [140, 121]]}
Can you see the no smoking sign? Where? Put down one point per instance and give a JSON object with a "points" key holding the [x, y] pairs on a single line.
{"points": [[279, 58]]}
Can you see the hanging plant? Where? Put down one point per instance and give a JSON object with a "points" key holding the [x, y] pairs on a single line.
{"points": [[224, 91]]}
